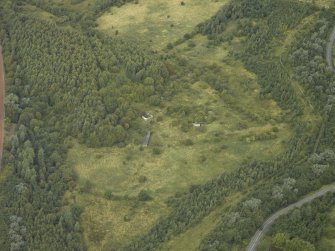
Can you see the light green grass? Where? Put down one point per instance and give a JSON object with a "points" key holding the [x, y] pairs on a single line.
{"points": [[150, 21], [227, 140], [191, 239], [239, 117]]}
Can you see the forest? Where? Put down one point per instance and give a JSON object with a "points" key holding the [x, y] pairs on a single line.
{"points": [[69, 83]]}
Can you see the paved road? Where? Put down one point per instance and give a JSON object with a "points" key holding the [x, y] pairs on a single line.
{"points": [[266, 225], [329, 51], [2, 106]]}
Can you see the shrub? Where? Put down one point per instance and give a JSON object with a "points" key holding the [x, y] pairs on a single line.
{"points": [[188, 142], [187, 36], [191, 44], [142, 179], [169, 46], [275, 129], [144, 196], [156, 151], [203, 158], [86, 187], [108, 195]]}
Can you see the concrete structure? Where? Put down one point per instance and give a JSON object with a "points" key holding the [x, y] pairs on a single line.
{"points": [[146, 139], [147, 117]]}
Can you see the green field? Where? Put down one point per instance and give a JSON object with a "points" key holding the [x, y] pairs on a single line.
{"points": [[239, 127], [234, 132], [156, 23], [211, 87]]}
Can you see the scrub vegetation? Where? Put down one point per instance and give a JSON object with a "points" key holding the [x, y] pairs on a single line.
{"points": [[242, 124]]}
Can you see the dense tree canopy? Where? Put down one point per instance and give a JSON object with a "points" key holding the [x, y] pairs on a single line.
{"points": [[73, 82]]}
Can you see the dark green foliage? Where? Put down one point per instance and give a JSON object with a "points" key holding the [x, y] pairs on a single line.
{"points": [[142, 179], [156, 151], [86, 187], [278, 182], [90, 100], [85, 19], [169, 46], [108, 195], [69, 83], [144, 196], [61, 83], [283, 242], [188, 142], [308, 222], [102, 5]]}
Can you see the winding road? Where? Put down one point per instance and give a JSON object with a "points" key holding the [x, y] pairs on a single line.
{"points": [[266, 225], [2, 105]]}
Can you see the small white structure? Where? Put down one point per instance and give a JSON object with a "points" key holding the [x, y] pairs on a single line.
{"points": [[196, 124], [147, 117]]}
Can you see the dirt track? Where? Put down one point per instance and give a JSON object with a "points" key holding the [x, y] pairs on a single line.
{"points": [[2, 105]]}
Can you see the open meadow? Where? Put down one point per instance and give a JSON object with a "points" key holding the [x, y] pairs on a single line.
{"points": [[156, 23], [236, 127], [225, 95]]}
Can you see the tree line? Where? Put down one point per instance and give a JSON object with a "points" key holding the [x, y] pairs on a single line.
{"points": [[275, 183], [62, 84]]}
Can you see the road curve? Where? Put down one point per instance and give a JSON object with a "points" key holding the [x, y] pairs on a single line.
{"points": [[266, 225], [329, 51], [2, 105]]}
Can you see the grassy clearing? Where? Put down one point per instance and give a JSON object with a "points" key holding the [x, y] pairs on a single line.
{"points": [[109, 223], [191, 239], [239, 127], [157, 22]]}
